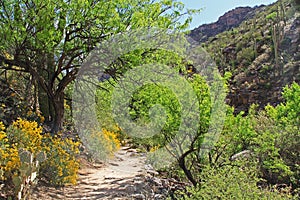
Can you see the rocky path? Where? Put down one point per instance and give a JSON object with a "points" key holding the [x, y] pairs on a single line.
{"points": [[124, 177]]}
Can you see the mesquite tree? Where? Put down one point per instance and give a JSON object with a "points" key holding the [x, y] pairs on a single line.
{"points": [[50, 39]]}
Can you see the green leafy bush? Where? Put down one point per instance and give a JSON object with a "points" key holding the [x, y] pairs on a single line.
{"points": [[230, 182], [286, 120], [271, 138]]}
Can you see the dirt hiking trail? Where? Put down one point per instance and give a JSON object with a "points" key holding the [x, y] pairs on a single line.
{"points": [[123, 177]]}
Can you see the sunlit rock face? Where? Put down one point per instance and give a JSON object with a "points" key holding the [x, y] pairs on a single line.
{"points": [[230, 19]]}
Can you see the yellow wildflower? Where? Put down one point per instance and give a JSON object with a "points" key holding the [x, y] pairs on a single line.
{"points": [[2, 127]]}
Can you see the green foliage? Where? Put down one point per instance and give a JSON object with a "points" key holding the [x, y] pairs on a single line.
{"points": [[150, 95], [287, 113], [269, 137], [237, 135], [146, 97], [272, 16], [49, 40], [274, 138], [285, 119], [104, 113], [230, 182], [268, 147]]}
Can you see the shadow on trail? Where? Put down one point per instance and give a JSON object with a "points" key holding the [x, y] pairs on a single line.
{"points": [[121, 178]]}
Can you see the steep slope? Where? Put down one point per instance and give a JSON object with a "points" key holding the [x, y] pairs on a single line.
{"points": [[230, 19], [262, 53]]}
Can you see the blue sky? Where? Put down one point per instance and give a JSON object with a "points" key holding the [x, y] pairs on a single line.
{"points": [[213, 9]]}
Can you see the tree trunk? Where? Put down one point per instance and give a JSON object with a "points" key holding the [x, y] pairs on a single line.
{"points": [[58, 117], [45, 106], [52, 108], [51, 101]]}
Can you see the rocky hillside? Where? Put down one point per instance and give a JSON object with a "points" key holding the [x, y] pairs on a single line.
{"points": [[230, 19], [262, 52]]}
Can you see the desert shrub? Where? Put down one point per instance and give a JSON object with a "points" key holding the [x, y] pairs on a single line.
{"points": [[286, 120], [237, 136], [26, 135], [101, 144], [271, 137], [23, 150], [246, 55], [9, 159], [230, 182], [18, 96], [61, 166], [21, 135], [111, 139], [267, 146], [20, 154]]}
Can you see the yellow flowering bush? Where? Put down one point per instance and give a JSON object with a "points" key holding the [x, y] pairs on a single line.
{"points": [[102, 144], [25, 135], [61, 167], [9, 157], [111, 139]]}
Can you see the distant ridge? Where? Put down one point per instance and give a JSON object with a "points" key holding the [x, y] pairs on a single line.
{"points": [[230, 19]]}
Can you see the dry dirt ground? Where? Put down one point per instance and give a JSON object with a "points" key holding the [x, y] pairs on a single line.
{"points": [[120, 178]]}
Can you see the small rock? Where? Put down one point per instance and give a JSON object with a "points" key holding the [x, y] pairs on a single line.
{"points": [[114, 164], [138, 178], [164, 191], [152, 172], [158, 197], [130, 189], [138, 196], [165, 183], [132, 151], [157, 181]]}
